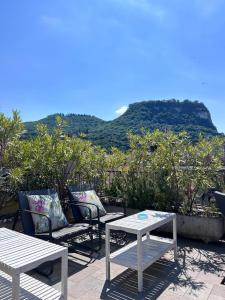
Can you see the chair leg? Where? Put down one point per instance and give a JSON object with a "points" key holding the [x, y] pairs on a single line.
{"points": [[92, 241], [99, 237], [15, 220]]}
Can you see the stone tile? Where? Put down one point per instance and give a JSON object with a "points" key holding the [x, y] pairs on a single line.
{"points": [[100, 274], [196, 275], [200, 292], [218, 291], [70, 298], [172, 296], [177, 289], [209, 278], [87, 286], [214, 297]]}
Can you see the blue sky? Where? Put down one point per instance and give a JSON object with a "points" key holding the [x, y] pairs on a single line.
{"points": [[96, 56]]}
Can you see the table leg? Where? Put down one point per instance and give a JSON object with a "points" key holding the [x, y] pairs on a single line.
{"points": [[107, 252], [64, 275], [139, 258], [175, 237], [15, 287]]}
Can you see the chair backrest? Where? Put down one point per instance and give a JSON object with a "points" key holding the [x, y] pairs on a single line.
{"points": [[26, 218], [220, 201], [77, 188], [81, 187]]}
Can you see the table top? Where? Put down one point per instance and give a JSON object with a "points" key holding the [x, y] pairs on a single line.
{"points": [[142, 222], [20, 253]]}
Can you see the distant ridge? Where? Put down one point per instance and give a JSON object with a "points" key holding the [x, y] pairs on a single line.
{"points": [[175, 115]]}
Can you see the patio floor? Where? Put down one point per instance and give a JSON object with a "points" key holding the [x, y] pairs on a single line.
{"points": [[197, 275]]}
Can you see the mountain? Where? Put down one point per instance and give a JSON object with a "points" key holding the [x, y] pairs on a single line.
{"points": [[74, 124], [174, 115]]}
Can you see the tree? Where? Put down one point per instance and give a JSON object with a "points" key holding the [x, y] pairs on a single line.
{"points": [[10, 131]]}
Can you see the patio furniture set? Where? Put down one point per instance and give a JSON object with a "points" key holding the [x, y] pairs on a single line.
{"points": [[21, 252], [87, 212]]}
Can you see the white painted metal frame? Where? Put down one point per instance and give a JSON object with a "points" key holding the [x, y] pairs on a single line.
{"points": [[20, 253], [140, 254]]}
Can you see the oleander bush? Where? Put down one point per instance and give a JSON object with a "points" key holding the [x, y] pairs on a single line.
{"points": [[166, 171], [160, 170], [52, 160]]}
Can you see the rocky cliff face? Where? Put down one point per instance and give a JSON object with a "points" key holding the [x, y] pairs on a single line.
{"points": [[171, 112], [203, 115]]}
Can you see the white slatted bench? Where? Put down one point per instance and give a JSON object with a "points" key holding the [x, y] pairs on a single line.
{"points": [[140, 254], [20, 253]]}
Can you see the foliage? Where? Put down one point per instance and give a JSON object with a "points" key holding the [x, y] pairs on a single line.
{"points": [[173, 115], [10, 131], [166, 171], [74, 124], [160, 170], [52, 160]]}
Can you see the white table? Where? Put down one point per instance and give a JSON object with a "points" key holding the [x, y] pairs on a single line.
{"points": [[20, 253], [140, 254]]}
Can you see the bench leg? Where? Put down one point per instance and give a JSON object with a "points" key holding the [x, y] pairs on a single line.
{"points": [[15, 287], [107, 248], [139, 261], [140, 281], [175, 238], [64, 275]]}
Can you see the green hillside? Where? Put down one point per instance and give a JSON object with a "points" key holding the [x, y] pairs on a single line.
{"points": [[74, 124], [175, 115]]}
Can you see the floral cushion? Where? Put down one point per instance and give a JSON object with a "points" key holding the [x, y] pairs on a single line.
{"points": [[50, 206], [91, 197]]}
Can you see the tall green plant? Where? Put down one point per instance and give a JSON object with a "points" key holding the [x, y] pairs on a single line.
{"points": [[53, 160], [161, 170], [166, 171], [10, 131]]}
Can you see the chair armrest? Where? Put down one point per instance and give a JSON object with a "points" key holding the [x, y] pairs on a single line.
{"points": [[111, 200], [83, 205], [40, 214], [96, 206]]}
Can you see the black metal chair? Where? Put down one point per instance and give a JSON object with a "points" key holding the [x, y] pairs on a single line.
{"points": [[220, 201], [100, 221], [64, 235]]}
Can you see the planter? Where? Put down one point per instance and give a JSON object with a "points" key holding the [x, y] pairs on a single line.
{"points": [[207, 229]]}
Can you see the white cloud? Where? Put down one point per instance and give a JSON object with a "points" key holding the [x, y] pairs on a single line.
{"points": [[121, 110]]}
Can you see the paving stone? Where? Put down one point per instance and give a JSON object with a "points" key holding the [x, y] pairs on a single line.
{"points": [[218, 291], [209, 278], [200, 292], [214, 297], [172, 296], [196, 275]]}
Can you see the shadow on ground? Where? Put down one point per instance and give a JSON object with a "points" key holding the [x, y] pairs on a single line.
{"points": [[198, 264], [181, 277]]}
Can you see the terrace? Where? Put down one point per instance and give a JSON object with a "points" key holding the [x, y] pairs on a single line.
{"points": [[142, 178], [197, 274]]}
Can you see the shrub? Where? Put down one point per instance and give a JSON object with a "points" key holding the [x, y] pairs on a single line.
{"points": [[166, 171], [161, 170]]}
